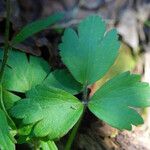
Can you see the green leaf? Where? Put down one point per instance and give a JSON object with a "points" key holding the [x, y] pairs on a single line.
{"points": [[90, 53], [62, 79], [114, 102], [52, 111], [50, 145], [5, 138], [9, 99], [22, 74], [36, 27], [25, 130], [24, 133]]}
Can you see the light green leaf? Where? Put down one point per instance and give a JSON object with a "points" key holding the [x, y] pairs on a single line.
{"points": [[24, 133], [9, 99], [36, 27], [23, 74], [25, 130], [4, 105], [62, 79], [52, 111], [5, 137], [115, 100], [90, 53], [50, 145]]}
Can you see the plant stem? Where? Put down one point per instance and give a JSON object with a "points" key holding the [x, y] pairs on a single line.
{"points": [[4, 61], [85, 95], [76, 127], [74, 132], [6, 45]]}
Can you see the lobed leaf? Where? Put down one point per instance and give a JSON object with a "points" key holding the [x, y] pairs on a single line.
{"points": [[52, 111], [6, 142], [115, 101], [62, 79], [22, 73], [9, 98], [90, 53]]}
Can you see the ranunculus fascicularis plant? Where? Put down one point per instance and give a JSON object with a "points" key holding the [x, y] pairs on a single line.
{"points": [[50, 109]]}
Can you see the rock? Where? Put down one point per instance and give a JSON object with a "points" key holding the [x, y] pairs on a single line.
{"points": [[128, 28]]}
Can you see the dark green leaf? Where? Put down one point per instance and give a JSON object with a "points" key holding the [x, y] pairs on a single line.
{"points": [[23, 74], [36, 27], [90, 53], [52, 111], [6, 142], [62, 79], [115, 100]]}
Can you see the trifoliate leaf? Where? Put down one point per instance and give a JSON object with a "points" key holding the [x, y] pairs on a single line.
{"points": [[52, 111], [89, 53], [49, 145], [23, 73], [6, 142], [115, 100], [62, 79], [36, 27]]}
